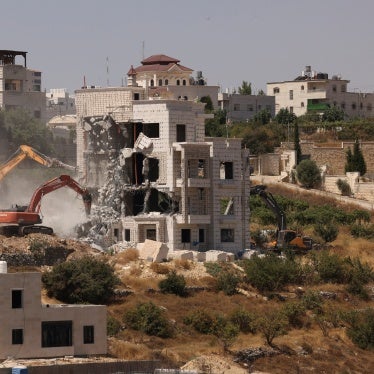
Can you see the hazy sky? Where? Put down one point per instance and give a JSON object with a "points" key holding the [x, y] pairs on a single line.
{"points": [[228, 40]]}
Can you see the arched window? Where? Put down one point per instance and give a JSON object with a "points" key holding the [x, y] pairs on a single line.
{"points": [[152, 82], [184, 82], [166, 82], [160, 82], [178, 82]]}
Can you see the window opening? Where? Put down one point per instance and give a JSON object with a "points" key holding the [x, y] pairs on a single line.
{"points": [[57, 334], [226, 170], [186, 235], [227, 235], [17, 299], [17, 336], [181, 133], [88, 334]]}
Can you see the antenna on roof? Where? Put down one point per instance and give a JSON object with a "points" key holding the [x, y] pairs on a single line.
{"points": [[107, 71]]}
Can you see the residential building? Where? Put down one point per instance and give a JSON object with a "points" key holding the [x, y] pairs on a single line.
{"points": [[20, 87], [313, 92], [151, 160], [242, 108], [59, 103], [30, 329]]}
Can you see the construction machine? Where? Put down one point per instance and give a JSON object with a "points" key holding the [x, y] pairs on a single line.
{"points": [[23, 220], [25, 151], [285, 238]]}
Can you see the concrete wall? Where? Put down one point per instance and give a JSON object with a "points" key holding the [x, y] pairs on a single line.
{"points": [[30, 316]]}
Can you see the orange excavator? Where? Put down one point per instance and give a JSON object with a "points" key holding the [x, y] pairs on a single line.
{"points": [[25, 151], [24, 220]]}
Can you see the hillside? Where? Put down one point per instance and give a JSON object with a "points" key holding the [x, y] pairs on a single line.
{"points": [[318, 344]]}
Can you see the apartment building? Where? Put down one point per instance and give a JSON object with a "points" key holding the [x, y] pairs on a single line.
{"points": [[30, 329], [242, 108], [59, 103], [313, 92], [168, 182], [20, 87]]}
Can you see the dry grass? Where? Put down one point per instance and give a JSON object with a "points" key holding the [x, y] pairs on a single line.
{"points": [[182, 264], [159, 268], [127, 256]]}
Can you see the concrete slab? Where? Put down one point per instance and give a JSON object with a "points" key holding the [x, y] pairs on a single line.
{"points": [[153, 251]]}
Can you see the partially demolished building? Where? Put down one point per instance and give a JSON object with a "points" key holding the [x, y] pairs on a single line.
{"points": [[151, 164]]}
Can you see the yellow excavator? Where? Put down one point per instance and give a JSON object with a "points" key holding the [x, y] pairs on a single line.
{"points": [[25, 151]]}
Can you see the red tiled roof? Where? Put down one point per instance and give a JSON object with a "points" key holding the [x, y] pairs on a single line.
{"points": [[157, 63]]}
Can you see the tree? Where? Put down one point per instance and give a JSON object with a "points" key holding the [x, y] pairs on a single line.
{"points": [[174, 284], [245, 88], [328, 232], [263, 117], [297, 143], [216, 127], [355, 161], [84, 280], [208, 104], [285, 117], [271, 325], [308, 174], [333, 114]]}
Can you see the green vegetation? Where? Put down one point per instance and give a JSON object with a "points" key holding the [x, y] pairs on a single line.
{"points": [[79, 281], [173, 284], [150, 319], [355, 161], [245, 88], [308, 174]]}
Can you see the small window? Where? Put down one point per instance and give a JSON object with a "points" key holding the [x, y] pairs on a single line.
{"points": [[354, 106], [186, 235], [181, 133], [259, 107], [178, 82], [17, 336], [291, 94], [291, 109], [250, 108], [166, 82], [343, 88], [302, 104], [17, 299], [334, 88], [276, 90], [227, 235], [136, 96], [151, 234], [152, 130], [302, 88], [226, 170], [201, 236], [160, 82], [236, 107], [184, 82], [152, 82], [88, 334], [127, 235]]}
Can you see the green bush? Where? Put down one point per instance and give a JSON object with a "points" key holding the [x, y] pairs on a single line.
{"points": [[244, 320], [150, 319], [308, 174], [113, 326], [84, 280], [227, 282], [344, 187], [271, 325], [330, 267], [173, 284], [201, 320], [294, 312], [360, 327], [362, 231], [328, 232], [312, 300], [272, 273]]}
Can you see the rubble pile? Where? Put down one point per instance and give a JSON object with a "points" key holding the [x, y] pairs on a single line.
{"points": [[247, 356]]}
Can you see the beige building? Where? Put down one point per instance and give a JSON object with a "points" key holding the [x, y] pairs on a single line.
{"points": [[169, 182], [20, 87], [30, 329], [313, 92]]}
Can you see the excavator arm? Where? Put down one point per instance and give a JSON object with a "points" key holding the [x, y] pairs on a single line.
{"points": [[54, 184], [24, 151]]}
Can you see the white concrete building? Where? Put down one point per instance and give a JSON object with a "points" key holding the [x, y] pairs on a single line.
{"points": [[313, 92], [20, 87], [29, 329], [59, 103], [169, 182]]}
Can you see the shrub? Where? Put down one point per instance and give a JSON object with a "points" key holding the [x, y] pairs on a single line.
{"points": [[113, 326], [246, 321], [328, 232], [271, 325], [360, 327], [84, 280], [227, 282], [201, 320], [312, 300], [344, 187], [362, 231], [330, 267], [271, 273], [150, 319], [294, 312], [174, 284], [308, 174]]}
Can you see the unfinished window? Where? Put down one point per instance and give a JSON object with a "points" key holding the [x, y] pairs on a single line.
{"points": [[17, 299], [201, 236], [17, 336], [181, 133], [152, 130], [88, 334], [57, 334], [226, 170], [291, 94], [227, 206], [227, 235], [127, 235], [150, 234], [185, 235], [136, 96]]}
